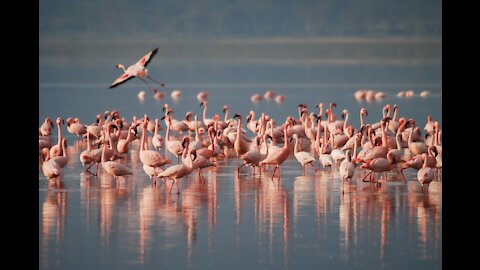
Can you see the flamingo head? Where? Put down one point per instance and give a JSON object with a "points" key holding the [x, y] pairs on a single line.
{"points": [[327, 112], [225, 109], [344, 113], [302, 106], [60, 121], [364, 111], [194, 153], [188, 115], [365, 164], [185, 141], [332, 105], [115, 115], [395, 107], [203, 103], [45, 154], [120, 66], [237, 115], [106, 114]]}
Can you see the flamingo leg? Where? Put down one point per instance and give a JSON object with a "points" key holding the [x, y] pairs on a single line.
{"points": [[178, 189], [238, 169], [170, 191], [366, 177], [276, 167], [147, 84], [161, 84]]}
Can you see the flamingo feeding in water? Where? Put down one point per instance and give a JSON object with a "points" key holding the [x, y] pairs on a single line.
{"points": [[138, 70]]}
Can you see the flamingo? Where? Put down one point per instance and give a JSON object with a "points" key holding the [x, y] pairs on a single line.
{"points": [[75, 128], [112, 167], [269, 94], [174, 147], [138, 70], [50, 168], [325, 158], [56, 150], [90, 156], [206, 121], [200, 163], [425, 174], [202, 96], [47, 127], [150, 157], [208, 152], [197, 144], [241, 147], [122, 145], [347, 168], [253, 156], [63, 159], [278, 157], [377, 165], [157, 139], [280, 99], [303, 157], [178, 171]]}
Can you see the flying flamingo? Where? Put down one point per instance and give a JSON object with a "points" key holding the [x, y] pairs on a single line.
{"points": [[138, 70]]}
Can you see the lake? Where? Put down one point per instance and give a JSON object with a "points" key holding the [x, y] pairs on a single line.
{"points": [[238, 220]]}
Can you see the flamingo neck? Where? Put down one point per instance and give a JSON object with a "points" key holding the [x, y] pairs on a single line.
{"points": [[64, 148], [167, 135], [345, 123], [205, 112], [384, 135], [361, 119], [59, 133], [295, 149], [355, 147], [156, 127], [285, 137], [197, 136], [225, 118], [318, 129], [89, 148], [395, 112]]}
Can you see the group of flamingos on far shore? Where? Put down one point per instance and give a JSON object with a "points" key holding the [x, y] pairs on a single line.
{"points": [[392, 144]]}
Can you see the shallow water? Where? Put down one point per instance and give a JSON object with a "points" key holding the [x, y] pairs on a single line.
{"points": [[237, 221]]}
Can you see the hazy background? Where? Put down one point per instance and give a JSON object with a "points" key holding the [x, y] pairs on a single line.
{"points": [[213, 35]]}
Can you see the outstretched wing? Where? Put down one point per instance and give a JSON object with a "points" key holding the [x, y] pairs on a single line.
{"points": [[125, 77], [146, 59]]}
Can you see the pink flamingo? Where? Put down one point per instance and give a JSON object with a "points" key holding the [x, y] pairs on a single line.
{"points": [[47, 127], [50, 168], [114, 168], [278, 157], [303, 157], [241, 147], [180, 170], [425, 174], [138, 70], [56, 150]]}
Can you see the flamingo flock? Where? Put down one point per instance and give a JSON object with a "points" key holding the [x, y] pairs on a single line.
{"points": [[376, 151]]}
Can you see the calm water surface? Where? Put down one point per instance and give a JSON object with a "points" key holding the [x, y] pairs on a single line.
{"points": [[237, 221]]}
